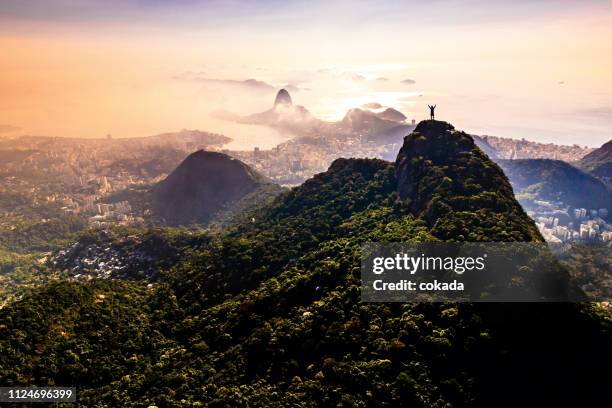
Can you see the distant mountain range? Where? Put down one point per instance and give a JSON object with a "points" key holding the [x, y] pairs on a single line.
{"points": [[296, 119]]}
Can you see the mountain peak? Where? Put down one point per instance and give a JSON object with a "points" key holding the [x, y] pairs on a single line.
{"points": [[426, 127], [392, 114], [205, 154], [283, 98], [436, 140], [442, 174], [203, 184]]}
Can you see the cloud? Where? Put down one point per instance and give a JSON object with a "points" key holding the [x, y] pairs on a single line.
{"points": [[8, 128], [602, 113], [356, 74], [362, 77], [372, 105], [357, 77], [190, 76], [291, 88], [250, 84], [408, 81]]}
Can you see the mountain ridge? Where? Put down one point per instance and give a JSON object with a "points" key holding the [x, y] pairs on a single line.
{"points": [[599, 162], [556, 180], [298, 120]]}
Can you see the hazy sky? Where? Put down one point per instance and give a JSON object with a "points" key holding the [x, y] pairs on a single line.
{"points": [[535, 69]]}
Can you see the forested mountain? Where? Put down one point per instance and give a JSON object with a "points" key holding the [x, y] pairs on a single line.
{"points": [[461, 194], [555, 180], [203, 185], [268, 313]]}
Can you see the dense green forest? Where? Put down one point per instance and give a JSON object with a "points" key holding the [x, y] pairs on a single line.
{"points": [[268, 313], [29, 231]]}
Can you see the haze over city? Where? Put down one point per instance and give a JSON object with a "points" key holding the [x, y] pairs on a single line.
{"points": [[539, 70]]}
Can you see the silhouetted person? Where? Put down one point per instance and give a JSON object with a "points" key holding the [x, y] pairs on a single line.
{"points": [[431, 111]]}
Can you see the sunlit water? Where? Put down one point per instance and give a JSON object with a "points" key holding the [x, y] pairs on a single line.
{"points": [[247, 137]]}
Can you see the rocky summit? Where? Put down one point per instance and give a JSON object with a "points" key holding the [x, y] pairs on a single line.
{"points": [[443, 174], [283, 98]]}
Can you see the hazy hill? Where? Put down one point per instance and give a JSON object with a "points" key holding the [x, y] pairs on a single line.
{"points": [[269, 313], [367, 122], [204, 184], [283, 115], [393, 135], [555, 180], [599, 161], [392, 115]]}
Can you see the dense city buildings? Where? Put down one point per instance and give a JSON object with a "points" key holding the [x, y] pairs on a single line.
{"points": [[559, 223], [78, 175], [524, 149]]}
